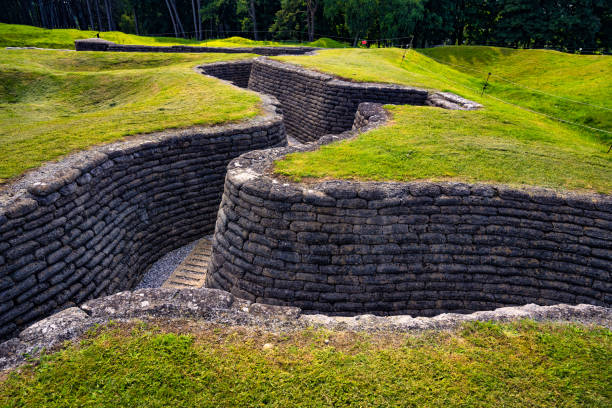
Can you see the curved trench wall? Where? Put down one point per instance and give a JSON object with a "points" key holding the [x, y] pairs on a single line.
{"points": [[96, 44], [417, 248], [93, 223], [236, 72], [316, 104]]}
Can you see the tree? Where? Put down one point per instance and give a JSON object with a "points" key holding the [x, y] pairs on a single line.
{"points": [[109, 14], [311, 6], [575, 24], [289, 20], [398, 18], [98, 14], [481, 18], [520, 22], [176, 20], [222, 15], [197, 21], [248, 6], [358, 17], [91, 23]]}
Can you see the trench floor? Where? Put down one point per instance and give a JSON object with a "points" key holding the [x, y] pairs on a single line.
{"points": [[191, 273]]}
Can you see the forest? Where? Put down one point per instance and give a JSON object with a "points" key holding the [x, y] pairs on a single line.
{"points": [[582, 26]]}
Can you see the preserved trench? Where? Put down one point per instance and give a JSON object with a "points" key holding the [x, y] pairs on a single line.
{"points": [[421, 248], [92, 224]]}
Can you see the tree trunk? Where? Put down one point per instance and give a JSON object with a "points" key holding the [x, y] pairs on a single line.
{"points": [[91, 23], [52, 15], [177, 18], [172, 18], [310, 16], [109, 5], [195, 19], [200, 36], [136, 21], [43, 18], [254, 19], [98, 15]]}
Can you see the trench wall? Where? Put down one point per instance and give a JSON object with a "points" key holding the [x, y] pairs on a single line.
{"points": [[95, 44], [236, 72], [317, 104], [93, 223], [419, 248]]}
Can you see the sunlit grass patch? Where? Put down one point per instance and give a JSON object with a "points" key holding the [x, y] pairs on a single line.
{"points": [[501, 143], [52, 103], [522, 364]]}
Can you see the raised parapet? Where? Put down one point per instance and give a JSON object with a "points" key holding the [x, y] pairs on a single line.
{"points": [[92, 44], [418, 248]]}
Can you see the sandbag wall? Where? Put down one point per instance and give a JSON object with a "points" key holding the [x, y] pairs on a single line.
{"points": [[420, 248], [236, 72], [316, 104], [96, 44], [93, 223]]}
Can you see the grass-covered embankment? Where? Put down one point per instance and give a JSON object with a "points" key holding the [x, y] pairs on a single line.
{"points": [[501, 143], [522, 364], [52, 103], [15, 35], [569, 86]]}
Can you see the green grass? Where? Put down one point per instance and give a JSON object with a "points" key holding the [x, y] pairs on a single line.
{"points": [[520, 364], [14, 35], [501, 143], [53, 103], [548, 81]]}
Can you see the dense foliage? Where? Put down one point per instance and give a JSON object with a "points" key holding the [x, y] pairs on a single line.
{"points": [[575, 25]]}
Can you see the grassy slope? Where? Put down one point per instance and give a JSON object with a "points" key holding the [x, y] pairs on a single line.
{"points": [[508, 365], [14, 35], [582, 78], [52, 103], [501, 143]]}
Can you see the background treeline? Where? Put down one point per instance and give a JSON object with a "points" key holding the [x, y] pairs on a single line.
{"points": [[560, 24]]}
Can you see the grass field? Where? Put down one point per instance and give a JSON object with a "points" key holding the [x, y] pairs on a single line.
{"points": [[501, 143], [52, 103], [569, 86], [14, 35], [480, 365]]}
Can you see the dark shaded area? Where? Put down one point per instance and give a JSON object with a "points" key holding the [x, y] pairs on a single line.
{"points": [[583, 26]]}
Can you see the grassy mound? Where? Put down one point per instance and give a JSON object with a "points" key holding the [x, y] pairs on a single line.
{"points": [[14, 35], [52, 103], [501, 143], [569, 86], [516, 365]]}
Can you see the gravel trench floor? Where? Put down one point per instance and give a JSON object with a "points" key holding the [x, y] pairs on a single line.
{"points": [[162, 269]]}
